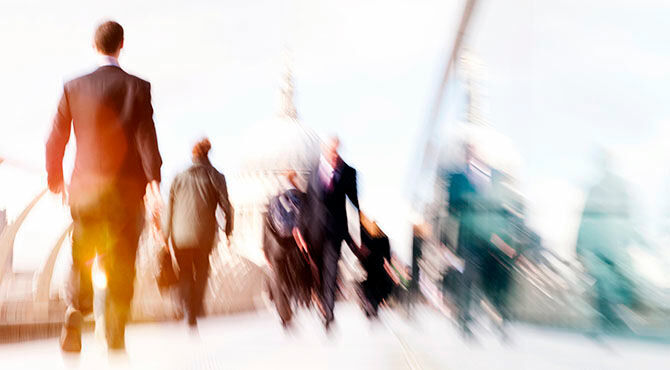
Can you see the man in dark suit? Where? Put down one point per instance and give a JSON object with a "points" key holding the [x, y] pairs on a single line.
{"points": [[325, 223], [117, 157]]}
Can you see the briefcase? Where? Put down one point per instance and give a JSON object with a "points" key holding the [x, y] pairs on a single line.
{"points": [[168, 269]]}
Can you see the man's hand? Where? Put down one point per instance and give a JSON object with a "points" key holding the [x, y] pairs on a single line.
{"points": [[453, 260], [364, 251], [154, 202], [391, 273], [498, 242], [299, 240], [59, 188]]}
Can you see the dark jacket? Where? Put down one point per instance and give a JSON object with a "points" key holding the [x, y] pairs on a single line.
{"points": [[194, 197], [111, 113], [326, 209], [378, 284]]}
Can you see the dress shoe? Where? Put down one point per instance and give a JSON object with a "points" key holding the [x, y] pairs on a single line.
{"points": [[70, 337]]}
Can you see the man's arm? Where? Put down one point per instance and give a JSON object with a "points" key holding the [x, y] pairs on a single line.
{"points": [[170, 207], [147, 143], [154, 202], [219, 182], [352, 188], [55, 148], [351, 191]]}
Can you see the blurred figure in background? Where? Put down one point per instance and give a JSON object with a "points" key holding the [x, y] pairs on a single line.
{"points": [[604, 234], [469, 204], [499, 259], [117, 156], [376, 261], [324, 224], [293, 274], [420, 232], [463, 206], [192, 226]]}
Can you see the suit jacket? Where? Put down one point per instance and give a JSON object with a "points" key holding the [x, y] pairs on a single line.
{"points": [[194, 197], [117, 149], [327, 211]]}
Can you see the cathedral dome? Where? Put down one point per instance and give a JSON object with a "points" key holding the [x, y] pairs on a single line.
{"points": [[281, 142], [272, 148]]}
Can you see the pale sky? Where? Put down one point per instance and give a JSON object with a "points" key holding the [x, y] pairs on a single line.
{"points": [[561, 78]]}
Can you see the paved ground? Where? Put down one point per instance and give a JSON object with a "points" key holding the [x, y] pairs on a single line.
{"points": [[256, 341]]}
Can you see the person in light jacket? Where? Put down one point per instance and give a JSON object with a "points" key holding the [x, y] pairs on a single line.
{"points": [[192, 225]]}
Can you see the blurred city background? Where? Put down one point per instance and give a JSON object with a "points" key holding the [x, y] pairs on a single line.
{"points": [[559, 106]]}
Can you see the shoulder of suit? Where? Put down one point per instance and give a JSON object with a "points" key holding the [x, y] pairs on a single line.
{"points": [[199, 169], [141, 82], [219, 173], [347, 167], [216, 173], [75, 81]]}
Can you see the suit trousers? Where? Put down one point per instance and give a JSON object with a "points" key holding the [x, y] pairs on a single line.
{"points": [[110, 228], [193, 274], [330, 256], [471, 249]]}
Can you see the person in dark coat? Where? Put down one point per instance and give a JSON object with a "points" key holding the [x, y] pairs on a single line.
{"points": [[117, 157], [192, 227], [291, 278], [419, 232], [376, 261], [324, 224]]}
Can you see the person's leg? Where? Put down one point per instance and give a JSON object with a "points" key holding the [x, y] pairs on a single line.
{"points": [[374, 296], [497, 276], [504, 291], [413, 291], [123, 229], [364, 295], [201, 274], [605, 303], [331, 257], [465, 296], [281, 301], [471, 282], [79, 295], [185, 282], [466, 279]]}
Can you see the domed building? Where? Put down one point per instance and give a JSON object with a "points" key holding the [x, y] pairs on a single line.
{"points": [[276, 146]]}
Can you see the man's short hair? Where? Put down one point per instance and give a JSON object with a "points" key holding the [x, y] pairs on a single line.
{"points": [[108, 37], [201, 148]]}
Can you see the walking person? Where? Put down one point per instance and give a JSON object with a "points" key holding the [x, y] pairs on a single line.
{"points": [[325, 223], [192, 226], [117, 158], [605, 232], [376, 261], [467, 203]]}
